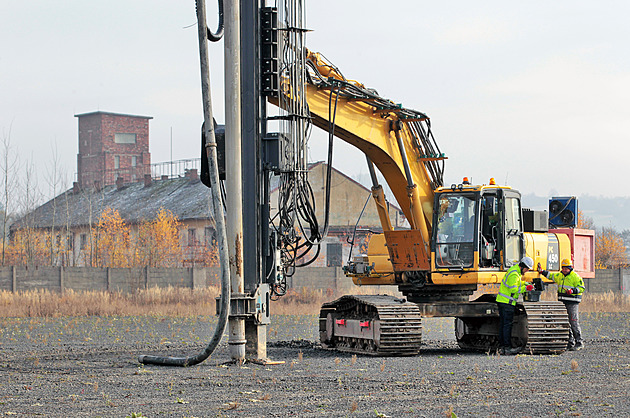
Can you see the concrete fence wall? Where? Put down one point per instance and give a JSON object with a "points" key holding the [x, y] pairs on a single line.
{"points": [[609, 280], [58, 279], [320, 278]]}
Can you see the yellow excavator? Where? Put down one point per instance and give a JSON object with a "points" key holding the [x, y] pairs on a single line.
{"points": [[461, 241]]}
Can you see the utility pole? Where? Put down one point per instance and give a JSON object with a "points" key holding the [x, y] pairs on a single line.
{"points": [[233, 168]]}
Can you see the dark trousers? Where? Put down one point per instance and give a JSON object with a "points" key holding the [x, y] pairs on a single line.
{"points": [[506, 317], [575, 331]]}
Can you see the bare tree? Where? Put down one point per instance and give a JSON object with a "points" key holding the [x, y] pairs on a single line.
{"points": [[585, 222], [55, 181], [69, 241], [89, 196], [610, 250], [29, 200], [8, 166], [92, 198]]}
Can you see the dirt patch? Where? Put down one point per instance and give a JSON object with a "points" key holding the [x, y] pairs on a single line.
{"points": [[87, 366]]}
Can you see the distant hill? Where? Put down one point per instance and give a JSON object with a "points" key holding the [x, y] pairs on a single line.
{"points": [[605, 211]]}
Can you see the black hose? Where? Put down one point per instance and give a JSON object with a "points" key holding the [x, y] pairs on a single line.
{"points": [[215, 37], [354, 232], [198, 358], [332, 115], [211, 148]]}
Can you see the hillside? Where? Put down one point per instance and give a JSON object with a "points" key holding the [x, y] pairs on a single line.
{"points": [[605, 211]]}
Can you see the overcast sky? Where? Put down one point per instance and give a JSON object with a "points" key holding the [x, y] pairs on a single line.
{"points": [[535, 94]]}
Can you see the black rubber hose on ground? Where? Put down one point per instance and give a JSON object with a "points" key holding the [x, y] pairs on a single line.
{"points": [[219, 215]]}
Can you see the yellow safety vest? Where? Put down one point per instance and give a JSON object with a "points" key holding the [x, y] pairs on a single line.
{"points": [[511, 286], [570, 281]]}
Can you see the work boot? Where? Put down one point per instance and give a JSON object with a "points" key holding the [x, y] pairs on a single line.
{"points": [[578, 346], [512, 351]]}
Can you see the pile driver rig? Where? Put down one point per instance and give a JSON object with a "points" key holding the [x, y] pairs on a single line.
{"points": [[462, 237]]}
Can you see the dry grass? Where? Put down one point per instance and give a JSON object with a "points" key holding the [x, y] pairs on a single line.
{"points": [[304, 301], [170, 301], [605, 302], [309, 301], [597, 302], [574, 366], [186, 302], [155, 301], [354, 406]]}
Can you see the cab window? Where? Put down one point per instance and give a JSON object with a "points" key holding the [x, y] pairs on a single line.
{"points": [[513, 231], [455, 235]]}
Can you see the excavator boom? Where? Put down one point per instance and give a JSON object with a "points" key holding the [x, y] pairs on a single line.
{"points": [[398, 141], [394, 138]]}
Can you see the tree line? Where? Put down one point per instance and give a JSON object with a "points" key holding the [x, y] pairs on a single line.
{"points": [[610, 244], [107, 241], [110, 242]]}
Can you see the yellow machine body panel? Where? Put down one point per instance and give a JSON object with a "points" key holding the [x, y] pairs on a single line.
{"points": [[483, 268], [378, 267], [407, 250], [546, 249]]}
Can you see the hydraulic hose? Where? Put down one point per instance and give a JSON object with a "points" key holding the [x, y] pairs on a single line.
{"points": [[219, 214], [216, 36]]}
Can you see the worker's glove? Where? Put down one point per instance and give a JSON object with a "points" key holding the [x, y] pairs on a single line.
{"points": [[529, 287], [575, 290], [569, 291]]}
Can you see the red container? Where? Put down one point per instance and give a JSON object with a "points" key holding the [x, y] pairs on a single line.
{"points": [[582, 248]]}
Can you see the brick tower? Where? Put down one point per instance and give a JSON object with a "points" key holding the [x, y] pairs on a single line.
{"points": [[112, 145]]}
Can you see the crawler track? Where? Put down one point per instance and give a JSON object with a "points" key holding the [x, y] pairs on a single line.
{"points": [[539, 328], [547, 327], [377, 325]]}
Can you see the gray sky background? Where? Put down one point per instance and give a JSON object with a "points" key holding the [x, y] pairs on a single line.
{"points": [[535, 94]]}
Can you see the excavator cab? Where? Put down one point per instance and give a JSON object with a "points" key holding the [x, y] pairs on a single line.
{"points": [[477, 227], [455, 230]]}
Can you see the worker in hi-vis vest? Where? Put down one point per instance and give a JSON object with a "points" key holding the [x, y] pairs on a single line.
{"points": [[570, 290], [511, 288]]}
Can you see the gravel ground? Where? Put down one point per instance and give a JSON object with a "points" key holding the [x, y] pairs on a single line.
{"points": [[88, 367]]}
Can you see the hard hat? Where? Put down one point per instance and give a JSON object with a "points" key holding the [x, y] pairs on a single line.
{"points": [[527, 262], [566, 263]]}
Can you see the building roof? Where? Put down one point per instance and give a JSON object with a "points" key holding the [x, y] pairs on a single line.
{"points": [[185, 198], [98, 112]]}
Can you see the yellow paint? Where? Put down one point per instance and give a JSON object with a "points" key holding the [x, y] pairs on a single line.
{"points": [[374, 281], [536, 245], [381, 207]]}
